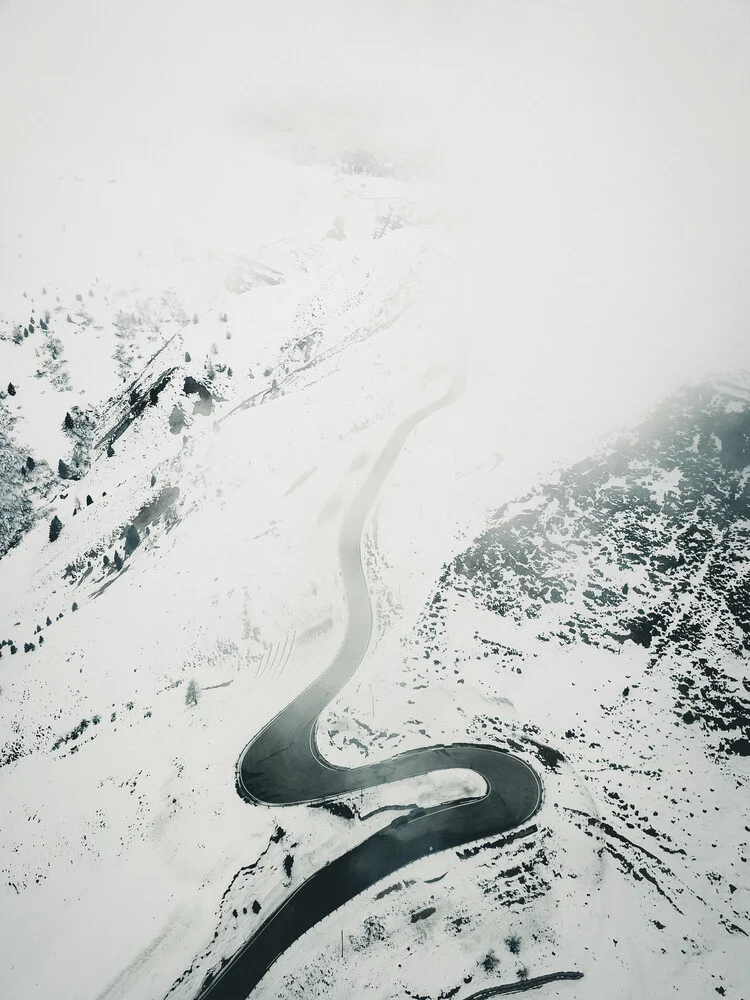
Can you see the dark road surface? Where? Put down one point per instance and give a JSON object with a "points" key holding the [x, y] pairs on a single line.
{"points": [[282, 766]]}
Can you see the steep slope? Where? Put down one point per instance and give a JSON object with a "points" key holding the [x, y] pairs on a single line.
{"points": [[605, 614]]}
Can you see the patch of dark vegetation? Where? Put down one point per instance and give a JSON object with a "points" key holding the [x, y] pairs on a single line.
{"points": [[513, 944], [549, 757], [470, 852], [79, 730], [372, 930], [396, 887], [288, 864], [422, 914], [490, 961], [12, 751], [140, 396], [132, 539], [24, 482], [336, 809], [524, 983], [205, 401]]}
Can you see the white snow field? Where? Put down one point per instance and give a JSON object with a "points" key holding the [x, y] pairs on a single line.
{"points": [[239, 244]]}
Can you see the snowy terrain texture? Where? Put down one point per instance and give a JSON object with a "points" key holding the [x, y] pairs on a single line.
{"points": [[237, 251]]}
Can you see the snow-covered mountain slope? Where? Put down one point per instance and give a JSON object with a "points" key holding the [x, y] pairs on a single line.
{"points": [[169, 574], [601, 613], [604, 613], [239, 245]]}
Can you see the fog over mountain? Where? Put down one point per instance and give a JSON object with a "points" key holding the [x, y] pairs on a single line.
{"points": [[374, 381]]}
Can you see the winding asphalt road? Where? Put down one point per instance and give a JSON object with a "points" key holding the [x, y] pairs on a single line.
{"points": [[283, 766]]}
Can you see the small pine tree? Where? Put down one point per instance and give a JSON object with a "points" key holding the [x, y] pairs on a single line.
{"points": [[62, 470], [188, 359], [191, 694], [11, 389], [30, 463], [110, 450], [89, 501], [55, 528], [117, 560], [68, 422], [132, 539]]}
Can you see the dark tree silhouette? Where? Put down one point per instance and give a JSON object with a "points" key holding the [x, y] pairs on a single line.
{"points": [[55, 528], [68, 422], [30, 463], [117, 560], [132, 539], [11, 389], [62, 470]]}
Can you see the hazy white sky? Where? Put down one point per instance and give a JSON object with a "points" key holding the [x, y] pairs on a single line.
{"points": [[594, 156]]}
